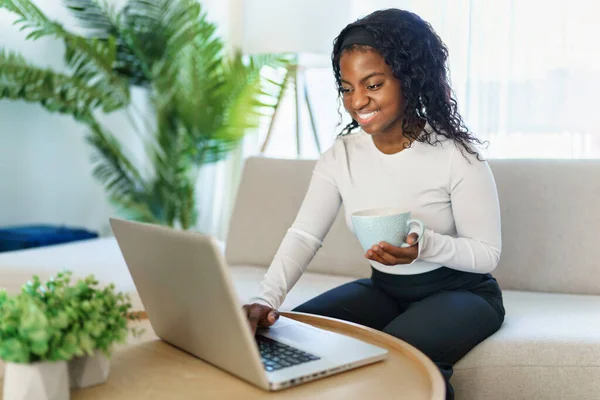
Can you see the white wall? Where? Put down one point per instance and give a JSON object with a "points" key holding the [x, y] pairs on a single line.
{"points": [[45, 168]]}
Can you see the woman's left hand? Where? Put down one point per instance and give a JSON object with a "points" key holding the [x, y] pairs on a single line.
{"points": [[387, 254]]}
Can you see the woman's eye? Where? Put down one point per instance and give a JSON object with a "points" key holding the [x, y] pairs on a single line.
{"points": [[373, 87], [344, 90]]}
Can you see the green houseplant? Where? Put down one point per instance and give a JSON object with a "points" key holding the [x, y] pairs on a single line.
{"points": [[49, 324], [204, 99]]}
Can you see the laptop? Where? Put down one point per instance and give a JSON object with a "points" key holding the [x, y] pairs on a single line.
{"points": [[188, 294]]}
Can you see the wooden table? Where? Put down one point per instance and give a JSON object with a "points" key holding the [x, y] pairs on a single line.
{"points": [[148, 368]]}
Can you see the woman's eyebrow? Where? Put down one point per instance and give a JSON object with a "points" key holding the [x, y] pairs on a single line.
{"points": [[372, 74]]}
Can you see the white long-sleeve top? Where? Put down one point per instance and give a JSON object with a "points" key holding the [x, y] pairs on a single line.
{"points": [[449, 190]]}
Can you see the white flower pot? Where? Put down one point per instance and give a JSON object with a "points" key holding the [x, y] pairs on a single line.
{"points": [[37, 381], [88, 370]]}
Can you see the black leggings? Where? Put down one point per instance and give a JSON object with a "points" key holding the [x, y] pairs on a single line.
{"points": [[444, 313]]}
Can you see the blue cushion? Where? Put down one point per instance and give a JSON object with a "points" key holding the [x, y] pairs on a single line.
{"points": [[23, 237]]}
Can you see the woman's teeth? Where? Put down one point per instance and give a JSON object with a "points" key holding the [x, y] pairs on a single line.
{"points": [[367, 116]]}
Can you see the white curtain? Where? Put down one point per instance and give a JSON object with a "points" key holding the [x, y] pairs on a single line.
{"points": [[526, 75]]}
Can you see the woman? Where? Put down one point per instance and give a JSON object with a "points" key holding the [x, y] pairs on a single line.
{"points": [[407, 147]]}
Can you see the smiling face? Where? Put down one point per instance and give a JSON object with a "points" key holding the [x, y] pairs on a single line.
{"points": [[371, 93]]}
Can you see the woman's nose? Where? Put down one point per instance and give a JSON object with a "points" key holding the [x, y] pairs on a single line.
{"points": [[359, 99]]}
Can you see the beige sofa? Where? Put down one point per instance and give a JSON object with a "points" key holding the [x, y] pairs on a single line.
{"points": [[549, 345]]}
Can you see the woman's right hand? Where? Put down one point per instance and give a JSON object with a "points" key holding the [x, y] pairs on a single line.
{"points": [[260, 315]]}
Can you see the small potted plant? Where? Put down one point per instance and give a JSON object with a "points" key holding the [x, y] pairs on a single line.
{"points": [[56, 335], [35, 344], [101, 316]]}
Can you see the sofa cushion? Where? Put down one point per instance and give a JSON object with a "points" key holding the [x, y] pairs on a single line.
{"points": [[548, 348], [550, 225], [269, 217]]}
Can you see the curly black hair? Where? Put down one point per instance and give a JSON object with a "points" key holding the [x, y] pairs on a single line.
{"points": [[418, 58]]}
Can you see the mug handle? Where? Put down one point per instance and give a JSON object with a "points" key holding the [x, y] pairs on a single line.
{"points": [[421, 231]]}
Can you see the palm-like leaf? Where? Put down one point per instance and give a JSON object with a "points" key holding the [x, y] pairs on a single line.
{"points": [[249, 97], [89, 58], [175, 22], [150, 35], [102, 22], [98, 17], [124, 184], [57, 92]]}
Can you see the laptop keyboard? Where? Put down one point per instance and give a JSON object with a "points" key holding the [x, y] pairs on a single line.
{"points": [[276, 355]]}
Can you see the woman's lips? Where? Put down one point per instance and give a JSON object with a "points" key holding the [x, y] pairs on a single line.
{"points": [[365, 118]]}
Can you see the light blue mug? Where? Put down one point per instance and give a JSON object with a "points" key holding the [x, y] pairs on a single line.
{"points": [[389, 225]]}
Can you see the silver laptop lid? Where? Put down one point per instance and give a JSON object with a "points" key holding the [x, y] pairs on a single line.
{"points": [[183, 283]]}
